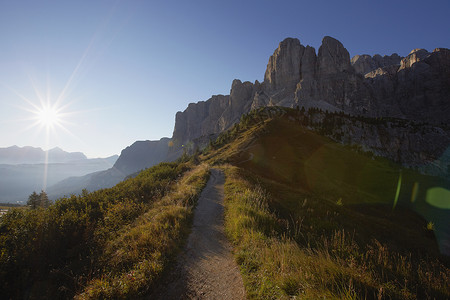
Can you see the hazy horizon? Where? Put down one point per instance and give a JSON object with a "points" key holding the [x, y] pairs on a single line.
{"points": [[54, 148], [118, 72]]}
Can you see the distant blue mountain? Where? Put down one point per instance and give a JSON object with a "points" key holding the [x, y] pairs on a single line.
{"points": [[139, 156], [31, 155], [23, 170]]}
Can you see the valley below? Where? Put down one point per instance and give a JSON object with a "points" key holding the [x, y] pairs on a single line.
{"points": [[18, 181]]}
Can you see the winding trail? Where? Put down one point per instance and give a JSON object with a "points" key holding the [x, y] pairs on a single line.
{"points": [[206, 268]]}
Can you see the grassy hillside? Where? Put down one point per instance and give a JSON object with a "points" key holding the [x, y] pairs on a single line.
{"points": [[112, 243], [308, 217], [313, 218]]}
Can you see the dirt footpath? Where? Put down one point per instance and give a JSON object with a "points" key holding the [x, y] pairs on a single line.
{"points": [[206, 268]]}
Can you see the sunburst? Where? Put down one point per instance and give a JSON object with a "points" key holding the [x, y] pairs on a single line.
{"points": [[49, 116]]}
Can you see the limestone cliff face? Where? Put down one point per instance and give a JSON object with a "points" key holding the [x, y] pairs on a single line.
{"points": [[364, 64], [199, 119], [214, 115], [283, 73], [423, 86], [240, 97], [416, 87], [332, 84]]}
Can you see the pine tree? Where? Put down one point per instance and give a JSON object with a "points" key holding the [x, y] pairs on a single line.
{"points": [[33, 200], [44, 201], [302, 110]]}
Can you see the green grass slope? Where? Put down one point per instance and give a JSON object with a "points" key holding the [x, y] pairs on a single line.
{"points": [[313, 218]]}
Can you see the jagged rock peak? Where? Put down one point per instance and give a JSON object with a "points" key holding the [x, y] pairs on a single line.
{"points": [[298, 76], [241, 90], [418, 50], [414, 56], [364, 64], [283, 69], [441, 50], [333, 57]]}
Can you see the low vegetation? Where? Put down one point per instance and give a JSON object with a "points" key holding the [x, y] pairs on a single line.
{"points": [[112, 243], [323, 250]]}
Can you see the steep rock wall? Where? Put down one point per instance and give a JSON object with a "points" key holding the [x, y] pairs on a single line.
{"points": [[416, 87]]}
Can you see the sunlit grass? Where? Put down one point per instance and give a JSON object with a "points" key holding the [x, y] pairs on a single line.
{"points": [[136, 257]]}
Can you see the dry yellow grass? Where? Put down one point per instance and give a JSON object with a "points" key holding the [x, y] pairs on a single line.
{"points": [[138, 255]]}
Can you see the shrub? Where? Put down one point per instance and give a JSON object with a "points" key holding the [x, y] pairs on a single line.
{"points": [[56, 251]]}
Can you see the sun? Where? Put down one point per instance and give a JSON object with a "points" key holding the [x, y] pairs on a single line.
{"points": [[48, 116]]}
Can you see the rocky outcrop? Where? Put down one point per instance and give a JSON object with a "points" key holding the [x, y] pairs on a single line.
{"points": [[334, 85], [423, 86], [295, 75], [413, 57], [416, 87], [283, 72], [333, 58], [214, 115], [199, 119], [141, 155], [364, 64]]}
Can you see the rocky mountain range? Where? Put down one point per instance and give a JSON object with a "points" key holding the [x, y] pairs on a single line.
{"points": [[414, 88]]}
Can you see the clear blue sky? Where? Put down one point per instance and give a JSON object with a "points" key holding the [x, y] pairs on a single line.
{"points": [[122, 69]]}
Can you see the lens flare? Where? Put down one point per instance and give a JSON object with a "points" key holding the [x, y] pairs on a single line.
{"points": [[414, 192], [397, 193], [438, 197]]}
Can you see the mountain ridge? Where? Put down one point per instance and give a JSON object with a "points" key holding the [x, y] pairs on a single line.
{"points": [[20, 180], [134, 158], [414, 88], [34, 155], [297, 76]]}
